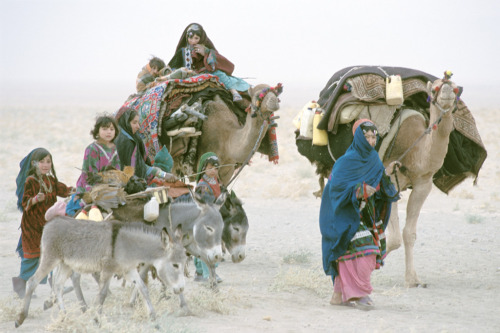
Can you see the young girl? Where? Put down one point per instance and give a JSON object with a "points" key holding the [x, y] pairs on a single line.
{"points": [[37, 190], [195, 51], [208, 186], [98, 156], [131, 149]]}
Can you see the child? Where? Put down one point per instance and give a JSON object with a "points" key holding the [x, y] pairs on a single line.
{"points": [[98, 156], [209, 188], [155, 68], [196, 52], [37, 190], [131, 149]]}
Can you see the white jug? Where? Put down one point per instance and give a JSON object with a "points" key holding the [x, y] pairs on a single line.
{"points": [[151, 210]]}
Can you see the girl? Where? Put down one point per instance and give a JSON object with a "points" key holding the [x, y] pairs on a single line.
{"points": [[131, 149], [98, 156], [37, 190], [195, 51], [208, 186], [354, 213]]}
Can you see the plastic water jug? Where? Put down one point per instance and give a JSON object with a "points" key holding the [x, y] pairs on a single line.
{"points": [[306, 121], [82, 215], [95, 214], [151, 210], [394, 90], [320, 137]]}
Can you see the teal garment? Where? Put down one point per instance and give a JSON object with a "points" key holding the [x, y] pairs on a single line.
{"points": [[231, 82], [202, 268], [29, 267]]}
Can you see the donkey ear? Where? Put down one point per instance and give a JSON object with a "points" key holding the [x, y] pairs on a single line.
{"points": [[165, 238], [178, 234], [220, 200]]}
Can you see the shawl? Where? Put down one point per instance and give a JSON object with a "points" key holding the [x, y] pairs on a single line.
{"points": [[25, 166], [128, 143], [210, 62], [339, 216]]}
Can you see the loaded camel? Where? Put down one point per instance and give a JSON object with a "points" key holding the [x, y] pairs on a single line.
{"points": [[423, 157]]}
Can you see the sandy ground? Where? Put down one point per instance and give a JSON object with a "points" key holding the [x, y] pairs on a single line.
{"points": [[280, 286]]}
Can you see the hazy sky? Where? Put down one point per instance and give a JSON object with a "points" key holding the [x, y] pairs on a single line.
{"points": [[100, 46]]}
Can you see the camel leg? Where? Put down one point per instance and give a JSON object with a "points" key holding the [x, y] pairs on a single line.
{"points": [[415, 202], [394, 238], [319, 193]]}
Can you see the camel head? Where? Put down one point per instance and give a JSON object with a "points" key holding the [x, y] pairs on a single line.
{"points": [[265, 99], [443, 92]]}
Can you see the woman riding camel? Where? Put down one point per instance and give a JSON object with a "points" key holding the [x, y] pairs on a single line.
{"points": [[354, 213], [196, 52]]}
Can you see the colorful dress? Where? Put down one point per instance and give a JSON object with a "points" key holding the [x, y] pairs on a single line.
{"points": [[96, 159]]}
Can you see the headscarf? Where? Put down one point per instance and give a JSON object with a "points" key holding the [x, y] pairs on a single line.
{"points": [[339, 212], [124, 151], [204, 160], [164, 160], [27, 169], [183, 42]]}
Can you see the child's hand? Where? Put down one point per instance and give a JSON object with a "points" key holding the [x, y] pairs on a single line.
{"points": [[40, 197]]}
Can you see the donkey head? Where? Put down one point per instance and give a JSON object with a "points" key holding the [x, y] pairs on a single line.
{"points": [[170, 267], [235, 227]]}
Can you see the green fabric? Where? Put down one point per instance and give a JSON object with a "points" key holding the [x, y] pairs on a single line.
{"points": [[201, 165], [164, 160]]}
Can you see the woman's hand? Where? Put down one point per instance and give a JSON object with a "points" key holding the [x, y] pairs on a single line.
{"points": [[393, 166], [199, 48]]}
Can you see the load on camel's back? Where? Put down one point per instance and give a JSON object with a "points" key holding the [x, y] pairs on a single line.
{"points": [[421, 121], [196, 115]]}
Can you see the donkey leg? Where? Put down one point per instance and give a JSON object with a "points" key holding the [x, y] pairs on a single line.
{"points": [[212, 276], [415, 202], [143, 273], [61, 275], [75, 278], [104, 281], [44, 268], [133, 275]]}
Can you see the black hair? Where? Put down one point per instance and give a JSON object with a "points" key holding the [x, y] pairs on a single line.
{"points": [[104, 121], [368, 126], [38, 155], [156, 62]]}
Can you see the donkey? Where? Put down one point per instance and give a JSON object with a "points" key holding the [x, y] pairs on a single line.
{"points": [[201, 224], [108, 247], [235, 229]]}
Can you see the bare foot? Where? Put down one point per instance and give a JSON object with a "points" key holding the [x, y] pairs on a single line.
{"points": [[336, 299]]}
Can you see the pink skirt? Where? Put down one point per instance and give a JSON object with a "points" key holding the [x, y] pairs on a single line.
{"points": [[353, 280]]}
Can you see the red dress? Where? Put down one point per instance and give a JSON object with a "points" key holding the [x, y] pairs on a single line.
{"points": [[33, 219]]}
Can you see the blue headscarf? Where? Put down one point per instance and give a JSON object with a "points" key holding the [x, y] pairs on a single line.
{"points": [[339, 215], [25, 166]]}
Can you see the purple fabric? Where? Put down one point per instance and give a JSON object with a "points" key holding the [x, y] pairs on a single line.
{"points": [[353, 280]]}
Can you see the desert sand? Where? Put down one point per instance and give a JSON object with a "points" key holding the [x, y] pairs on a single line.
{"points": [[280, 286]]}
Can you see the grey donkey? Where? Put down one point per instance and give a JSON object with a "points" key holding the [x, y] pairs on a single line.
{"points": [[107, 247]]}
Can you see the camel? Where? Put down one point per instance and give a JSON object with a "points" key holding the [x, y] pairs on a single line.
{"points": [[233, 142], [420, 163]]}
